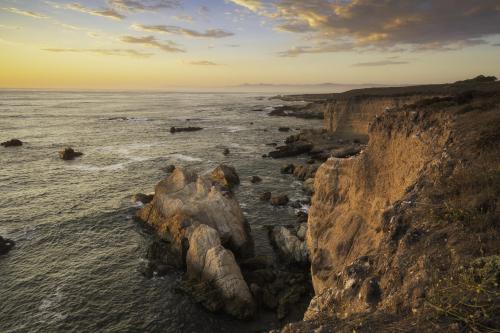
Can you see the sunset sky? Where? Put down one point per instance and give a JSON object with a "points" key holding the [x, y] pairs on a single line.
{"points": [[165, 44]]}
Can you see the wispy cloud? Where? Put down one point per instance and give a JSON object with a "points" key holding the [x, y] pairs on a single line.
{"points": [[200, 63], [25, 13], [380, 63], [143, 5], [107, 52], [106, 12], [170, 29], [151, 41], [184, 18], [253, 5]]}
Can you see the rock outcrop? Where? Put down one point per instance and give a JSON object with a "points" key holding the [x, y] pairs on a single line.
{"points": [[289, 246], [6, 245], [226, 176], [69, 153], [12, 143], [203, 227]]}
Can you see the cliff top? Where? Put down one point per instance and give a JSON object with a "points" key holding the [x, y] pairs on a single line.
{"points": [[480, 83]]}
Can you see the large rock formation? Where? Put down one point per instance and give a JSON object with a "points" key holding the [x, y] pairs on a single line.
{"points": [[204, 226], [404, 232]]}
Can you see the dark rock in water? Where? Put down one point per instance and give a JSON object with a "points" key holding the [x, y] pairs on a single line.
{"points": [[255, 179], [301, 217], [184, 129], [287, 169], [311, 161], [265, 156], [169, 168], [272, 144], [279, 200], [69, 154], [226, 151], [266, 196], [284, 129], [291, 150], [225, 175], [12, 143], [143, 198], [296, 204], [6, 245], [292, 139]]}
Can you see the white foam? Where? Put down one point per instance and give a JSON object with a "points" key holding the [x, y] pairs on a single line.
{"points": [[94, 168], [186, 158]]}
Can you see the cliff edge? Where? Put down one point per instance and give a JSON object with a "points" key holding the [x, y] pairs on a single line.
{"points": [[404, 235]]}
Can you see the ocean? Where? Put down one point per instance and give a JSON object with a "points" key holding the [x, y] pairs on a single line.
{"points": [[76, 266]]}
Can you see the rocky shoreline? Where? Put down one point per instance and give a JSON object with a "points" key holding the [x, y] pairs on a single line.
{"points": [[370, 245]]}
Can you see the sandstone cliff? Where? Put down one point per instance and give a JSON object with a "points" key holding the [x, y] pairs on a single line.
{"points": [[405, 234]]}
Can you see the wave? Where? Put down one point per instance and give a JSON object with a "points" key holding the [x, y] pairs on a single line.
{"points": [[186, 158]]}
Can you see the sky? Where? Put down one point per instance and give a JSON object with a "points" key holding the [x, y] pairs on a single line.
{"points": [[188, 44]]}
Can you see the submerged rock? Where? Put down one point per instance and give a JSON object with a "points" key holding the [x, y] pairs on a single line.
{"points": [[284, 129], [279, 200], [174, 129], [69, 154], [6, 245], [225, 175], [255, 179], [226, 151], [287, 169], [12, 143]]}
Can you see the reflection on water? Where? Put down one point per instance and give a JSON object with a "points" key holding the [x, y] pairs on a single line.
{"points": [[76, 264]]}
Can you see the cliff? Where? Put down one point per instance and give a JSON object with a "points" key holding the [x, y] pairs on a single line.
{"points": [[404, 235]]}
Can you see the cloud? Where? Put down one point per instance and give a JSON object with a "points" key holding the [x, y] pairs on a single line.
{"points": [[107, 52], [321, 48], [200, 63], [409, 24], [185, 18], [151, 41], [170, 29], [106, 12], [380, 63], [253, 5], [143, 5], [25, 13]]}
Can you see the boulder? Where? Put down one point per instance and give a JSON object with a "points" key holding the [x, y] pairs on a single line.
{"points": [[142, 198], [169, 168], [184, 200], [6, 245], [226, 151], [284, 129], [279, 200], [69, 154], [309, 185], [287, 169], [266, 196], [289, 246], [255, 179], [225, 175], [302, 231], [184, 129], [12, 143]]}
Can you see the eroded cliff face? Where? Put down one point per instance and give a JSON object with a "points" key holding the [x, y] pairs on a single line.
{"points": [[351, 117], [388, 226]]}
